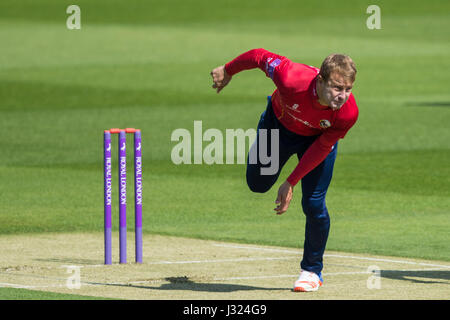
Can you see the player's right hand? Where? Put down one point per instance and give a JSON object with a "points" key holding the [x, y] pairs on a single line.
{"points": [[220, 78], [284, 197]]}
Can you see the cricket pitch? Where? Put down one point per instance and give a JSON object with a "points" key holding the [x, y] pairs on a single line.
{"points": [[180, 268]]}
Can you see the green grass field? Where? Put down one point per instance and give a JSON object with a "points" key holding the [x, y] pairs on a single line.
{"points": [[146, 64], [26, 294]]}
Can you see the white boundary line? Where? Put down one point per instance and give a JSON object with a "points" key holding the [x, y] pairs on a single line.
{"points": [[326, 274], [336, 256], [256, 248], [223, 260], [389, 260], [285, 276]]}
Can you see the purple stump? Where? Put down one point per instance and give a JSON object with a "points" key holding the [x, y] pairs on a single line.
{"points": [[123, 196], [107, 195], [138, 195]]}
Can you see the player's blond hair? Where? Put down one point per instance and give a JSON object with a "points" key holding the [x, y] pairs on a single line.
{"points": [[339, 63]]}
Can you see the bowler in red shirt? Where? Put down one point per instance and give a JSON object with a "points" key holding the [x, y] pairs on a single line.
{"points": [[311, 109]]}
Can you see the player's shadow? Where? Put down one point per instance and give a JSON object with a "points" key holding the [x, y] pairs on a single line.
{"points": [[184, 283], [429, 104], [418, 276]]}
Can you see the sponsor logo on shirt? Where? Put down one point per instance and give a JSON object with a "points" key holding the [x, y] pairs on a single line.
{"points": [[306, 123], [294, 107]]}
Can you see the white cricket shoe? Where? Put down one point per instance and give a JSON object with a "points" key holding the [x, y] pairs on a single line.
{"points": [[308, 281]]}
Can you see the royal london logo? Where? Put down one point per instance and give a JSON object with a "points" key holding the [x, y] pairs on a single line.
{"points": [[324, 124], [306, 123], [294, 107]]}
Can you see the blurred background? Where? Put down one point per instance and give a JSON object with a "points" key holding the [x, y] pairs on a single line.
{"points": [[146, 64]]}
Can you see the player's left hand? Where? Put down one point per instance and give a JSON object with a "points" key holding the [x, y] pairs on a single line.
{"points": [[284, 197]]}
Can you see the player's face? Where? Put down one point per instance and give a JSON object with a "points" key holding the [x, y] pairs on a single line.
{"points": [[336, 91]]}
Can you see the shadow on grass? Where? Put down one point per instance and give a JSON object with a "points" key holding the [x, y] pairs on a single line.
{"points": [[184, 283], [418, 276], [429, 104], [174, 283]]}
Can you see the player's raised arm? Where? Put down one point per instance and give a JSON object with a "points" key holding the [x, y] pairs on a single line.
{"points": [[268, 62], [220, 78]]}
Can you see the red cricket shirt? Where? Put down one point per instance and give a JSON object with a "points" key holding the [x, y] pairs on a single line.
{"points": [[295, 103]]}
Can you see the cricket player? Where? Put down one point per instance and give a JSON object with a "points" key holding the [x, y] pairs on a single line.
{"points": [[312, 109]]}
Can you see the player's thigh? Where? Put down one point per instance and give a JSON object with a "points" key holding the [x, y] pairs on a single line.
{"points": [[267, 155]]}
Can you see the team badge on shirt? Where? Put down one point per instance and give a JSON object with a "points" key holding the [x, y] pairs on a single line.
{"points": [[324, 124], [270, 68]]}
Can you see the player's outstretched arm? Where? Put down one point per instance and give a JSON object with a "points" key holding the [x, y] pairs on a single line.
{"points": [[220, 78]]}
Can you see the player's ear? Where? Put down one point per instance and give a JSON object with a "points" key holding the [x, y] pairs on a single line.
{"points": [[320, 78]]}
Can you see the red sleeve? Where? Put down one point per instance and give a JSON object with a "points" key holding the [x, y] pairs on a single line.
{"points": [[315, 154], [272, 64]]}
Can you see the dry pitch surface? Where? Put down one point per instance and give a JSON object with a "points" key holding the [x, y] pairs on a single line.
{"points": [[180, 268]]}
